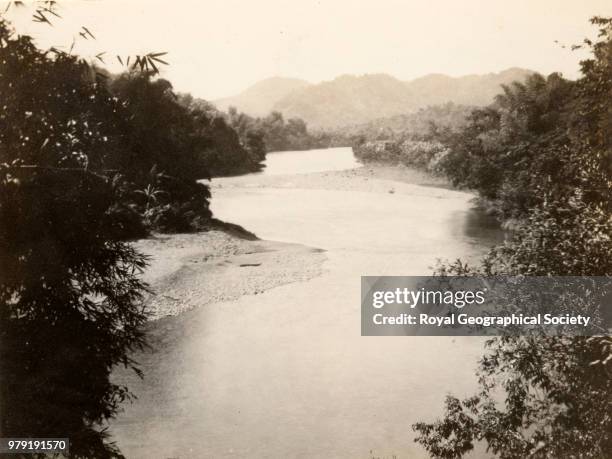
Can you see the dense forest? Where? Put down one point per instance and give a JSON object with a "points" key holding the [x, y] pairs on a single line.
{"points": [[542, 154], [408, 139], [240, 141], [277, 133], [415, 125], [75, 182]]}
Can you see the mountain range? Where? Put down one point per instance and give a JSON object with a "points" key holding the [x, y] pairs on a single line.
{"points": [[351, 99]]}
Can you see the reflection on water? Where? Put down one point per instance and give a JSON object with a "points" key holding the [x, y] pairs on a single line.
{"points": [[286, 373], [483, 229]]}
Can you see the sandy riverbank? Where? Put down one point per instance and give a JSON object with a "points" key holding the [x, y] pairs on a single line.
{"points": [[191, 270]]}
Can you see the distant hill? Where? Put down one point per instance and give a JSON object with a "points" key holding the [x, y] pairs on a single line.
{"points": [[347, 100], [466, 90], [351, 100], [259, 99]]}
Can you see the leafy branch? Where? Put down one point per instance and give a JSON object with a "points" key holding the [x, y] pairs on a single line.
{"points": [[45, 12]]}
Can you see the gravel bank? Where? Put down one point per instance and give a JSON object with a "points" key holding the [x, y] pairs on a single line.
{"points": [[191, 270]]}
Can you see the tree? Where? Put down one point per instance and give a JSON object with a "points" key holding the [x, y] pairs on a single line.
{"points": [[506, 149], [230, 148], [553, 387], [157, 130], [70, 296]]}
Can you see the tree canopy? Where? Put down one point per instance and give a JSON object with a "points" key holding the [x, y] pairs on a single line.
{"points": [[70, 293]]}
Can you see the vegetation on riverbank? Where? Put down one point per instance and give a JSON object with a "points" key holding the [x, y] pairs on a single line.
{"points": [[69, 288], [542, 154], [409, 139], [276, 133]]}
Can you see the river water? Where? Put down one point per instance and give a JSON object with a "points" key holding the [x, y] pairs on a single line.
{"points": [[286, 374]]}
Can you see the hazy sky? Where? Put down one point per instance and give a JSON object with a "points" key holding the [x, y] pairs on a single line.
{"points": [[217, 48]]}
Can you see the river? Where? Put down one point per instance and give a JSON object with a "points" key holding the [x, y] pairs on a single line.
{"points": [[286, 374]]}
